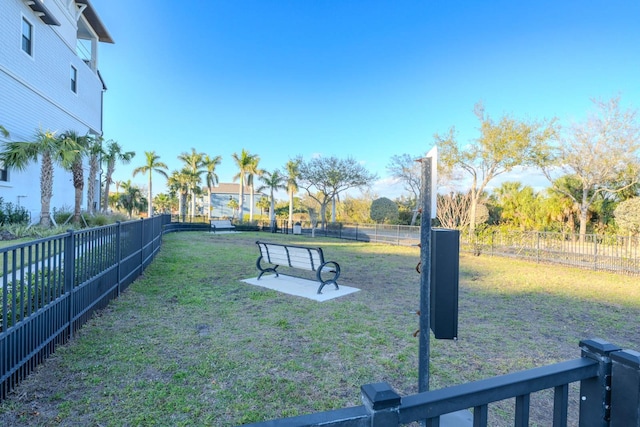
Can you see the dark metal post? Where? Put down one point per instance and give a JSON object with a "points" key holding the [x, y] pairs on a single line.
{"points": [[425, 276], [595, 393], [383, 403], [625, 389], [119, 256], [69, 276]]}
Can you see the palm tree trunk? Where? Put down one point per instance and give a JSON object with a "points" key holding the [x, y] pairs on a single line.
{"points": [[290, 208], [209, 205], [91, 183], [78, 184], [46, 189], [241, 197], [251, 204], [107, 182], [150, 204], [193, 205]]}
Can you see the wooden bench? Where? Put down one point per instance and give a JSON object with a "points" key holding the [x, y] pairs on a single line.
{"points": [[221, 224], [302, 257]]}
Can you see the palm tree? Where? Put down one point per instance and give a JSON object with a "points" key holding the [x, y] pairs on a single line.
{"points": [[193, 162], [211, 178], [252, 172], [132, 198], [52, 151], [113, 154], [4, 132], [293, 172], [77, 170], [263, 204], [151, 165], [95, 151], [244, 162], [233, 205], [178, 184], [163, 202], [273, 181]]}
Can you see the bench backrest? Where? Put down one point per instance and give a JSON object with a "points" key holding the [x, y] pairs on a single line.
{"points": [[221, 223], [302, 257]]}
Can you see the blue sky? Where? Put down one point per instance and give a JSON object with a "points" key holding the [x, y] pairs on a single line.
{"points": [[360, 79]]}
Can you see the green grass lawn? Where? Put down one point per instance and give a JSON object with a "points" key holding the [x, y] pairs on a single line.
{"points": [[189, 344]]}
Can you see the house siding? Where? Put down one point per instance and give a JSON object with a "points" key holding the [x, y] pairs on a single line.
{"points": [[35, 93]]}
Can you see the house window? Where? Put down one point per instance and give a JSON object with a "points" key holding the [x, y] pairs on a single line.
{"points": [[4, 174], [27, 36], [74, 79]]}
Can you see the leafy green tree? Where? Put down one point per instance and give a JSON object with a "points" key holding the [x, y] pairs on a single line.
{"points": [[245, 163], [407, 210], [274, 181], [384, 210], [292, 169], [112, 155], [501, 146], [602, 153], [193, 164], [356, 210], [211, 178], [627, 215], [51, 151], [324, 178], [152, 164]]}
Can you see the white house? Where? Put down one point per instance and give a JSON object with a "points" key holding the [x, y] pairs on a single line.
{"points": [[49, 80]]}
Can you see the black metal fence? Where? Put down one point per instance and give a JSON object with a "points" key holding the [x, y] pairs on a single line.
{"points": [[618, 254], [52, 286], [609, 395]]}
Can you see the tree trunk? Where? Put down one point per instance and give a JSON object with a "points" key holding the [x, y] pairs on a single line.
{"points": [[78, 184], [323, 215], [240, 202], [333, 209], [107, 182], [91, 183], [251, 204], [150, 204], [209, 204], [584, 210], [290, 207], [46, 189], [472, 215]]}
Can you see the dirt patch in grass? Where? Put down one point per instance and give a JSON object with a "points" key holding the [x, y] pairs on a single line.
{"points": [[190, 344]]}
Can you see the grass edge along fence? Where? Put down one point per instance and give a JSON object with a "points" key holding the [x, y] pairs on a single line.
{"points": [[52, 286], [616, 254]]}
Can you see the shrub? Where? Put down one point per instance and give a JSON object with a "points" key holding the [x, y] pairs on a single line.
{"points": [[11, 214], [62, 215], [384, 210]]}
